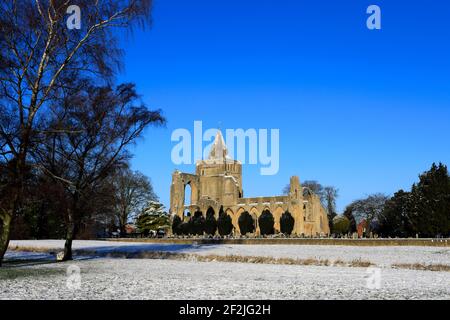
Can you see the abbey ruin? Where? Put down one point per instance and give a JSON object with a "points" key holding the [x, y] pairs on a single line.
{"points": [[217, 183]]}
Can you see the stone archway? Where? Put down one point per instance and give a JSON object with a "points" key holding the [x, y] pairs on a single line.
{"points": [[277, 216], [235, 220], [187, 196], [255, 215], [230, 213]]}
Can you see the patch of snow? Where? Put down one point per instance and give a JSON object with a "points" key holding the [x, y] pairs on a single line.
{"points": [[186, 280]]}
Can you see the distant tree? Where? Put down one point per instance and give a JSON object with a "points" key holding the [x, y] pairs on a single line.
{"points": [[395, 220], [224, 223], [210, 222], [370, 209], [341, 225], [152, 218], [348, 213], [176, 222], [198, 223], [246, 223], [312, 185], [430, 213], [132, 192], [266, 223], [330, 195], [287, 223], [186, 228]]}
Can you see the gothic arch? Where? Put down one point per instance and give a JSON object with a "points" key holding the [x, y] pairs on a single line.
{"points": [[235, 219], [277, 213], [254, 212]]}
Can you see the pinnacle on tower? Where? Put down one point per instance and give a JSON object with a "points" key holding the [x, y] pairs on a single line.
{"points": [[219, 149]]}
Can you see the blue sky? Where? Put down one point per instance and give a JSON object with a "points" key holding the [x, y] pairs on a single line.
{"points": [[365, 111]]}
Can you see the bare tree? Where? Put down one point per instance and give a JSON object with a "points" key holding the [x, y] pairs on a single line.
{"points": [[330, 195], [39, 58], [88, 142], [312, 185], [132, 192], [370, 208]]}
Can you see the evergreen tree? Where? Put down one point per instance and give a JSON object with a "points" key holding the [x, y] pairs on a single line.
{"points": [[395, 218], [176, 222], [433, 202], [198, 223], [348, 213], [224, 223], [210, 223], [266, 223], [246, 223], [287, 223], [341, 225], [186, 228], [152, 218]]}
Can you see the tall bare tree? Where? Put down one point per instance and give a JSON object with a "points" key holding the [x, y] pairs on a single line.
{"points": [[132, 192], [39, 58], [88, 142], [370, 209], [330, 195]]}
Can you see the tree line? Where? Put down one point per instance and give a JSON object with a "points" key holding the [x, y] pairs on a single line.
{"points": [[424, 211], [209, 225]]}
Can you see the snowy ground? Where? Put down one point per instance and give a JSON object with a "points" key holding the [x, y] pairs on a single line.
{"points": [[167, 279], [36, 276], [382, 256]]}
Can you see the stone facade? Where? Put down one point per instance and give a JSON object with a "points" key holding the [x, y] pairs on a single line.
{"points": [[218, 182]]}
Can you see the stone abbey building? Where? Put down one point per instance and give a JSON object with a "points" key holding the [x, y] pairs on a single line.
{"points": [[218, 182]]}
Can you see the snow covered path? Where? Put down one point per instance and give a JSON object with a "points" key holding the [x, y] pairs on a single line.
{"points": [[379, 255]]}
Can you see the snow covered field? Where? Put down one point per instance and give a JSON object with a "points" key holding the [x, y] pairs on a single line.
{"points": [[37, 277], [382, 256]]}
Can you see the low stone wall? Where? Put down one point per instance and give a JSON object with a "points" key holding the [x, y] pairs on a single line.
{"points": [[297, 241]]}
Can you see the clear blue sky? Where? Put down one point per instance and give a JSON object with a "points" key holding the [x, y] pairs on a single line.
{"points": [[365, 111]]}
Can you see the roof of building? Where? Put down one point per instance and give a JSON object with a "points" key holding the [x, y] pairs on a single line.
{"points": [[219, 149]]}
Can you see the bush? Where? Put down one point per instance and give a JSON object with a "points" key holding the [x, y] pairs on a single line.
{"points": [[210, 223], [224, 224], [176, 222], [246, 223], [341, 225], [186, 228], [266, 223], [287, 223], [197, 223]]}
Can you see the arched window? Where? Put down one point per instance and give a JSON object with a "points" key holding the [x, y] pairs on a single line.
{"points": [[187, 195]]}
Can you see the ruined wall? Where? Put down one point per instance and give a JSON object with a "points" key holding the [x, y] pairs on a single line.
{"points": [[217, 185]]}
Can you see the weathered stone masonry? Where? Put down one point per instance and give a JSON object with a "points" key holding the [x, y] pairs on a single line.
{"points": [[218, 182]]}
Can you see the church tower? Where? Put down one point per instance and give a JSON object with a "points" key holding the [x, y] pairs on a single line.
{"points": [[220, 176]]}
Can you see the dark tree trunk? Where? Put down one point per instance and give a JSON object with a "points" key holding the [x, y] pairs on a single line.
{"points": [[70, 235], [5, 228]]}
